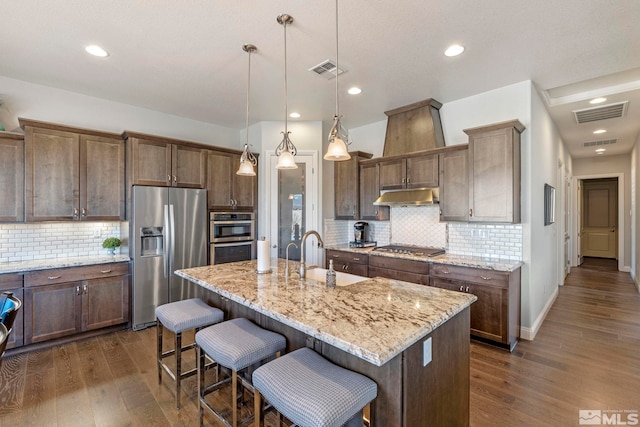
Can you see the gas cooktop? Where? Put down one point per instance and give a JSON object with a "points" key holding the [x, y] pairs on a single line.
{"points": [[418, 251]]}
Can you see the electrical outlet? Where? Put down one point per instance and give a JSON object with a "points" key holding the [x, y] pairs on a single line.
{"points": [[426, 352]]}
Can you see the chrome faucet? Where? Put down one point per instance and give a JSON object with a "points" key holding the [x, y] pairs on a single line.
{"points": [[286, 265], [303, 267]]}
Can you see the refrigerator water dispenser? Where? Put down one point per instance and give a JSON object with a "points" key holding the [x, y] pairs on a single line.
{"points": [[151, 241]]}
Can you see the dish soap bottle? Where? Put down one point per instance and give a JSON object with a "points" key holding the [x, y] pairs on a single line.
{"points": [[331, 276]]}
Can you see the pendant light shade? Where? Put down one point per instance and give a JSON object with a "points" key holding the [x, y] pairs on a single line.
{"points": [[248, 159], [285, 150], [338, 135]]}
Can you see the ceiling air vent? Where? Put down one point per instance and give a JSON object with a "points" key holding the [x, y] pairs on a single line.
{"points": [[611, 111], [602, 142], [326, 69]]}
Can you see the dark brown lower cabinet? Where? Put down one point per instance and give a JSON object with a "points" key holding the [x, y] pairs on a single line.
{"points": [[399, 269], [80, 299], [495, 316], [348, 262]]}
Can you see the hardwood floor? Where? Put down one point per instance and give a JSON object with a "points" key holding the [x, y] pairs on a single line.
{"points": [[585, 356]]}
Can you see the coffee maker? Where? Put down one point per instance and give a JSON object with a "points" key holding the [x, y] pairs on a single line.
{"points": [[361, 235]]}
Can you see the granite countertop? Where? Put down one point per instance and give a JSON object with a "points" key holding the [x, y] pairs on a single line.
{"points": [[375, 319], [46, 264], [488, 263]]}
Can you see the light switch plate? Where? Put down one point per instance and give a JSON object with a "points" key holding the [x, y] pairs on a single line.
{"points": [[426, 352]]}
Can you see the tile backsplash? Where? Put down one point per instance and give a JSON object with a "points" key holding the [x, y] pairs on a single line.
{"points": [[421, 226], [24, 242]]}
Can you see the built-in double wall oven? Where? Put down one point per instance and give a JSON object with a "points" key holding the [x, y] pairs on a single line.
{"points": [[231, 237]]}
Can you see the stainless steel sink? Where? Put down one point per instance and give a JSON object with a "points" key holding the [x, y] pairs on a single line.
{"points": [[342, 279]]}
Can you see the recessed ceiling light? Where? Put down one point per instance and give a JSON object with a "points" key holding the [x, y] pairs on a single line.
{"points": [[601, 150], [354, 91], [597, 100], [294, 115], [96, 51], [454, 50], [599, 131]]}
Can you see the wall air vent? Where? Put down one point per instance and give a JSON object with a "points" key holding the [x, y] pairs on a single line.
{"points": [[602, 142], [611, 111], [326, 69]]}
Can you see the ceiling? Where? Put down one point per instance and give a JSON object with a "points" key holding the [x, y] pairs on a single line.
{"points": [[185, 57]]}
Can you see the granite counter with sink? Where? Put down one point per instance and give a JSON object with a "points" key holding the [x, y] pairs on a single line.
{"points": [[412, 340]]}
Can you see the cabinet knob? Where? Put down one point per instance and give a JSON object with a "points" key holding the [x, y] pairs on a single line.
{"points": [[408, 180], [84, 212], [470, 212], [461, 287], [466, 289], [445, 272], [53, 277], [175, 179], [78, 291], [75, 212], [404, 180], [85, 288], [169, 178], [356, 259], [376, 213], [485, 277], [105, 271]]}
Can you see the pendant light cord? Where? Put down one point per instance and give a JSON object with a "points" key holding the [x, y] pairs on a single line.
{"points": [[286, 109], [248, 91], [337, 64]]}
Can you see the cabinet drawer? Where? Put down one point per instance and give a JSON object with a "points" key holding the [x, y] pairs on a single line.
{"points": [[419, 279], [74, 274], [469, 274], [404, 265], [10, 281], [347, 257]]}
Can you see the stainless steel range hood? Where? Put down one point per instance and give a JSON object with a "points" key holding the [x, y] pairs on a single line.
{"points": [[408, 197]]}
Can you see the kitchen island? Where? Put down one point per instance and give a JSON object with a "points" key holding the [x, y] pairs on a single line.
{"points": [[411, 339]]}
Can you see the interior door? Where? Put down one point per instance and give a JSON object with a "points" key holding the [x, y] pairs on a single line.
{"points": [[293, 209], [600, 213]]}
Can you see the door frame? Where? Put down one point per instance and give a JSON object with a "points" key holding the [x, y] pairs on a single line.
{"points": [[313, 255], [578, 211]]}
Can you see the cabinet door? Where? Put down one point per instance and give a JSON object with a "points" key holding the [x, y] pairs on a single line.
{"points": [[11, 179], [454, 186], [494, 176], [219, 185], [52, 311], [369, 192], [105, 302], [346, 189], [52, 169], [489, 313], [102, 178], [245, 188], [393, 174], [188, 166], [150, 162], [422, 171]]}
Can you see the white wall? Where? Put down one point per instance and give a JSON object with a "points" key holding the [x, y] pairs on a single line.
{"points": [[48, 104], [635, 218], [602, 165]]}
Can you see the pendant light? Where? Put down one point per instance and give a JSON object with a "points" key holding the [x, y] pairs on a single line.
{"points": [[285, 150], [247, 159], [338, 136]]}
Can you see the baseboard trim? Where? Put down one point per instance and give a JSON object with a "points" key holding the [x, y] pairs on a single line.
{"points": [[626, 269], [530, 333]]}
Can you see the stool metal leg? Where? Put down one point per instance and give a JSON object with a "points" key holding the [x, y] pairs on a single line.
{"points": [[178, 347], [159, 328], [201, 389], [234, 398]]}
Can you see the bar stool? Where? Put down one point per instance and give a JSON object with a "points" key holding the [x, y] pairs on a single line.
{"points": [[178, 317], [311, 391], [236, 344]]}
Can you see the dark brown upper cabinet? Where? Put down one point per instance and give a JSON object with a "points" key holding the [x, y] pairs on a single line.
{"points": [[346, 176], [11, 177]]}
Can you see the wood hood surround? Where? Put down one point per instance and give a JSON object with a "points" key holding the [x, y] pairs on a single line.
{"points": [[414, 127]]}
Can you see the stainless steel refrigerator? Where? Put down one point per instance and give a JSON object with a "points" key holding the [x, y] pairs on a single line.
{"points": [[167, 232]]}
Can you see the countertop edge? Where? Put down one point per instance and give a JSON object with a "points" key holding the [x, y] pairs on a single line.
{"points": [[497, 264], [53, 263]]}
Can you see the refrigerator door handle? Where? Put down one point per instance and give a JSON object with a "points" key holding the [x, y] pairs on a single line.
{"points": [[172, 240], [166, 238]]}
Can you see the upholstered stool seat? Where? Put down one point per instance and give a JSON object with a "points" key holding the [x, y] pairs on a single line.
{"points": [[236, 344], [311, 391], [178, 317]]}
